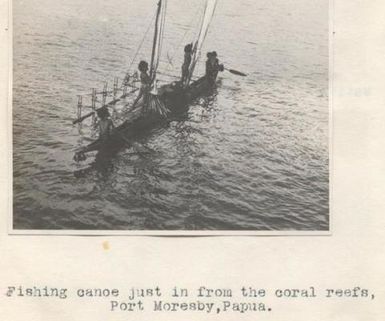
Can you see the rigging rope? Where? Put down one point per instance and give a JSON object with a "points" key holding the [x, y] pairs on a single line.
{"points": [[197, 12], [201, 37], [141, 43]]}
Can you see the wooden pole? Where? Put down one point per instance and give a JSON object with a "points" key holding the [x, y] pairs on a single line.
{"points": [[104, 94], [155, 40], [125, 84], [93, 106], [80, 104], [116, 82]]}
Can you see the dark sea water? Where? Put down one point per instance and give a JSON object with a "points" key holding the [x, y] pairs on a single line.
{"points": [[252, 156]]}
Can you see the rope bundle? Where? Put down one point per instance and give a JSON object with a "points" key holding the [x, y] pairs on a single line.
{"points": [[156, 106]]}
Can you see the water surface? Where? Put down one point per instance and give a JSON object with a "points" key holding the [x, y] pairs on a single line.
{"points": [[253, 156]]}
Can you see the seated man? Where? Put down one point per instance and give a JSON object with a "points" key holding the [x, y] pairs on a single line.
{"points": [[213, 67], [104, 124]]}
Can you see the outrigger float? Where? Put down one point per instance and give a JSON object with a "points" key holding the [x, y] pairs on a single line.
{"points": [[166, 101]]}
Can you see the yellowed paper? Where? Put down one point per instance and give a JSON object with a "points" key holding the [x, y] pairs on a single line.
{"points": [[337, 276]]}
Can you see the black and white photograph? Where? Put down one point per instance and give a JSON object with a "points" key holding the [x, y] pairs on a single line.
{"points": [[171, 116]]}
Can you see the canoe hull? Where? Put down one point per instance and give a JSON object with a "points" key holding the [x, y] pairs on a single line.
{"points": [[173, 95]]}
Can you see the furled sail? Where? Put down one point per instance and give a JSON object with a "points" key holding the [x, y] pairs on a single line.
{"points": [[154, 104], [158, 40], [207, 17]]}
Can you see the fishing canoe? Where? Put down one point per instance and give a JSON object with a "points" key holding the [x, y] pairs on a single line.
{"points": [[172, 98], [139, 123]]}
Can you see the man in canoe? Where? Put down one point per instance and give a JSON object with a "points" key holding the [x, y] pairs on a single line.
{"points": [[150, 103], [212, 67], [145, 82], [186, 62], [104, 124]]}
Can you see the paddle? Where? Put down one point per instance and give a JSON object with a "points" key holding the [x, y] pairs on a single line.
{"points": [[236, 72]]}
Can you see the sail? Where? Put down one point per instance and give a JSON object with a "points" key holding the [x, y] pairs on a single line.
{"points": [[154, 104], [158, 40], [207, 17]]}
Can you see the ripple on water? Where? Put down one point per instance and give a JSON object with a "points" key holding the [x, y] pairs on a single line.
{"points": [[253, 156]]}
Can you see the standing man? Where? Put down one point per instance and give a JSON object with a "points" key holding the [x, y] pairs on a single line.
{"points": [[145, 82], [186, 62]]}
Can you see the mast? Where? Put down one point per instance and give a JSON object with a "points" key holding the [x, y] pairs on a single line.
{"points": [[207, 17], [154, 44]]}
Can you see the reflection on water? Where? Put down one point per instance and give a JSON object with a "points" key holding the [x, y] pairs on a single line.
{"points": [[251, 156]]}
